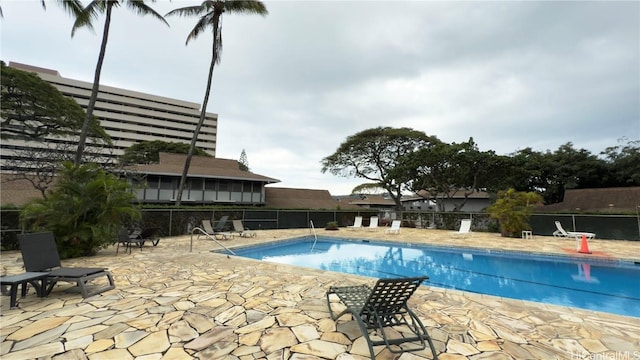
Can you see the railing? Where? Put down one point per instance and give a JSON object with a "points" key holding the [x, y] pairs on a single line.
{"points": [[313, 230], [201, 231]]}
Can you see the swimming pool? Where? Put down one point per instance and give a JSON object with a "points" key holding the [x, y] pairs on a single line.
{"points": [[562, 280]]}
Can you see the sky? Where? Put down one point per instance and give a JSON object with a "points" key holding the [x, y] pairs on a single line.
{"points": [[293, 85]]}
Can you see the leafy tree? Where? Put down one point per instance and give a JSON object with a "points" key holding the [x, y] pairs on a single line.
{"points": [[374, 154], [39, 164], [368, 188], [34, 112], [551, 173], [85, 210], [210, 13], [623, 163], [85, 18], [443, 171], [243, 163], [513, 209], [148, 152], [33, 109]]}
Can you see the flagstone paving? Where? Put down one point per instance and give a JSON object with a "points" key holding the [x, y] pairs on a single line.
{"points": [[170, 303]]}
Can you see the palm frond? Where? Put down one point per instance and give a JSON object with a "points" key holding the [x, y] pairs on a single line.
{"points": [[200, 26], [140, 8], [186, 11], [72, 7], [246, 7], [87, 15]]}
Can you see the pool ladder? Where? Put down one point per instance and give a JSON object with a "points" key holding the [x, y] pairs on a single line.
{"points": [[206, 234], [312, 229]]}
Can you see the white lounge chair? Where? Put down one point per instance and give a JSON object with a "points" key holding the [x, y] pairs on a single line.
{"points": [[465, 227], [560, 232], [373, 223], [395, 227], [357, 223]]}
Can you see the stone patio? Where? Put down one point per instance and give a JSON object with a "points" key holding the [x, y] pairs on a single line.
{"points": [[170, 303]]}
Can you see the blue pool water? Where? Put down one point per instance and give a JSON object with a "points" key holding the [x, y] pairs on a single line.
{"points": [[562, 280]]}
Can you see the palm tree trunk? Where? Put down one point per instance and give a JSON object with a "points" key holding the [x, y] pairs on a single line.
{"points": [[94, 91], [203, 113]]}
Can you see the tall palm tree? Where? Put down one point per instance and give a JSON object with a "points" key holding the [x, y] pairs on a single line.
{"points": [[210, 12], [89, 13]]}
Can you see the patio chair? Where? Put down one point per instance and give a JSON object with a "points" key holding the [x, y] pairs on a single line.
{"points": [[395, 227], [40, 254], [128, 240], [151, 234], [373, 223], [383, 310], [242, 232], [216, 232], [465, 227], [357, 224], [560, 232]]}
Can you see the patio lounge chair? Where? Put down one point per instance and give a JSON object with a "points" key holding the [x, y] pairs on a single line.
{"points": [[128, 240], [560, 232], [40, 254], [151, 234], [395, 227], [242, 232], [384, 311], [217, 232], [373, 223], [465, 227], [357, 223]]}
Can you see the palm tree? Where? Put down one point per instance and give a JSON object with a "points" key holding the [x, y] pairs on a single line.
{"points": [[210, 12], [89, 13]]}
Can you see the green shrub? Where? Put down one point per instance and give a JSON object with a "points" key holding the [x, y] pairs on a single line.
{"points": [[513, 209], [85, 210], [331, 225]]}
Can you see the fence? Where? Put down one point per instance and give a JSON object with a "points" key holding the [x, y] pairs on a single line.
{"points": [[173, 222]]}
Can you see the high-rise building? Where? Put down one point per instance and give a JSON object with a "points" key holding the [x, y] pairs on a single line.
{"points": [[129, 117]]}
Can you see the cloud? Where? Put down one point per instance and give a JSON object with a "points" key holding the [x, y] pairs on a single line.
{"points": [[295, 84]]}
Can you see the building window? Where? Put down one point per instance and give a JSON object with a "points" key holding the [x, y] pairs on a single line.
{"points": [[210, 184], [195, 184]]}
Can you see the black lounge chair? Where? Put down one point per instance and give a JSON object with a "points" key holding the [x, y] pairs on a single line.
{"points": [[128, 240], [385, 306], [151, 234], [40, 254]]}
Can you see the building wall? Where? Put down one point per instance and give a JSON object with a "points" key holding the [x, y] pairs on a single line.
{"points": [[130, 117], [163, 189]]}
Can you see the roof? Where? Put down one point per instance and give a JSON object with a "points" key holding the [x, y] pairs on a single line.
{"points": [[457, 195], [201, 166], [597, 200], [290, 198]]}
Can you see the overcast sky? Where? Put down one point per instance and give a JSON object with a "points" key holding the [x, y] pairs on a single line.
{"points": [[295, 84]]}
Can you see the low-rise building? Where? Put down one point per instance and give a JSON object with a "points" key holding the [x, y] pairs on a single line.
{"points": [[209, 181]]}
